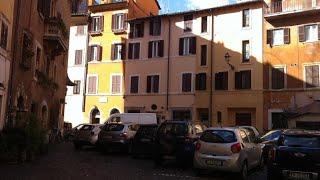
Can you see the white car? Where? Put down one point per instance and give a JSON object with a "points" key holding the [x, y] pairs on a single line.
{"points": [[86, 135], [227, 149]]}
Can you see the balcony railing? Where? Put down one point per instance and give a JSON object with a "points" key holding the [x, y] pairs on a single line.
{"points": [[56, 30], [287, 6]]}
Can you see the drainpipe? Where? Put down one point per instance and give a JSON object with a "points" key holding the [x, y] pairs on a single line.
{"points": [[85, 73], [211, 68], [168, 65], [13, 61]]}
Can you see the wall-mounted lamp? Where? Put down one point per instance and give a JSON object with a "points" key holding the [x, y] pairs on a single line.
{"points": [[227, 59]]}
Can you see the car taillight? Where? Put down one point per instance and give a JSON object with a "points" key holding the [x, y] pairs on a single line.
{"points": [[198, 146], [236, 148], [123, 135], [272, 154]]}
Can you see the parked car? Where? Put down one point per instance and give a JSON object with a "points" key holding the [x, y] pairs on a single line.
{"points": [[295, 156], [136, 118], [87, 134], [268, 141], [143, 141], [175, 141], [252, 130], [117, 136], [227, 149]]}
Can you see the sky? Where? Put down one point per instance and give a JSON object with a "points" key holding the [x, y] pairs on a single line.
{"points": [[169, 6]]}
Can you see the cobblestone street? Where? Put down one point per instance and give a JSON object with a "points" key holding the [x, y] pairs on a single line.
{"points": [[63, 162]]}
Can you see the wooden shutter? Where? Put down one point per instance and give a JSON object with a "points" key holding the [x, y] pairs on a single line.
{"points": [[198, 79], [89, 55], [116, 83], [238, 79], [159, 27], [137, 51], [181, 43], [319, 29], [156, 84], [270, 37], [286, 33], [92, 85], [281, 78], [125, 23], [113, 23], [113, 51], [130, 51], [309, 76], [151, 27], [149, 84], [78, 57], [247, 77], [274, 78], [302, 36], [189, 82], [315, 75], [131, 30], [142, 29], [225, 80], [134, 84], [202, 78], [123, 51], [161, 48], [99, 53], [217, 81], [150, 49], [193, 45], [203, 55], [204, 24], [101, 23]]}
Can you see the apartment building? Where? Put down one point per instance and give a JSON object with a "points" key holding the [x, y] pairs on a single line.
{"points": [[108, 32], [291, 68], [195, 66], [77, 62], [39, 64], [6, 24]]}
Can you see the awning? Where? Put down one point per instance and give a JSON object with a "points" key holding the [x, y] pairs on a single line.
{"points": [[69, 82]]}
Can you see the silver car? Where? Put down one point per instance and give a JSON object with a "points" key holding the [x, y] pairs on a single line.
{"points": [[227, 149], [87, 134]]}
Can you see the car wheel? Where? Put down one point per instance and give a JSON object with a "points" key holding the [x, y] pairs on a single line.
{"points": [[244, 171]]}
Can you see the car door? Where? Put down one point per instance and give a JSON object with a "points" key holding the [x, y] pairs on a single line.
{"points": [[256, 148], [247, 148]]}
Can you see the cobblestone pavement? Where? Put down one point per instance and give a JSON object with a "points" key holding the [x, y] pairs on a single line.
{"points": [[63, 162]]}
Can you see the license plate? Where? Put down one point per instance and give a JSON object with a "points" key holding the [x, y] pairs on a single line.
{"points": [[298, 175], [214, 162]]}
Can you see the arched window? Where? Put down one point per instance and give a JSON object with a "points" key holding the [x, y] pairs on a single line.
{"points": [[95, 116], [114, 111]]}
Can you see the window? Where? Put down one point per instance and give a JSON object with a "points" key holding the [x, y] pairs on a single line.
{"points": [[4, 36], [44, 7], [78, 57], [186, 82], [155, 49], [80, 30], [218, 136], [119, 22], [118, 52], [92, 84], [95, 53], [221, 81], [181, 115], [246, 18], [188, 22], [203, 55], [134, 51], [76, 88], [277, 78], [96, 24], [134, 87], [308, 33], [243, 80], [312, 76], [243, 119], [201, 81], [136, 30], [155, 27], [187, 46], [204, 24], [116, 84], [244, 136], [245, 51], [278, 36], [153, 84]]}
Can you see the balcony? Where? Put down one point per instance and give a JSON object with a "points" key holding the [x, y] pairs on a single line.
{"points": [[79, 8], [56, 35], [108, 5], [286, 8]]}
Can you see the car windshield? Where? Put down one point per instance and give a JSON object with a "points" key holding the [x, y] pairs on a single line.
{"points": [[86, 128], [177, 129], [146, 130], [302, 141], [218, 136], [113, 127], [272, 135]]}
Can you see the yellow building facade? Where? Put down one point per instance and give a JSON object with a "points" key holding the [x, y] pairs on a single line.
{"points": [[108, 29]]}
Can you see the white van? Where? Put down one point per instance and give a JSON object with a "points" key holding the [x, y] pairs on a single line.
{"points": [[136, 118]]}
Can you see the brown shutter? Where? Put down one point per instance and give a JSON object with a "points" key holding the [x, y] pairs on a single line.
{"points": [[150, 49], [274, 77], [238, 80], [225, 80], [198, 79], [94, 85], [193, 45], [113, 23], [156, 84], [89, 85], [161, 48], [151, 27], [270, 37], [319, 29], [286, 33], [125, 23], [302, 36], [203, 60], [99, 53], [248, 79], [130, 51], [148, 84], [131, 30], [89, 55], [315, 76], [137, 51], [309, 74], [159, 27], [113, 51], [142, 30], [123, 52], [102, 23], [181, 41]]}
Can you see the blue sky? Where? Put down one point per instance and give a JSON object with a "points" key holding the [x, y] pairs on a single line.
{"points": [[183, 5]]}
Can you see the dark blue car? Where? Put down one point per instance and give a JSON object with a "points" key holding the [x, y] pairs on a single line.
{"points": [[296, 155]]}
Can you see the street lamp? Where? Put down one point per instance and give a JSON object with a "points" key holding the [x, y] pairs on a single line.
{"points": [[227, 59]]}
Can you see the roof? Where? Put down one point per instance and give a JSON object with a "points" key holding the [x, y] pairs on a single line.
{"points": [[158, 4], [313, 108], [199, 10]]}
